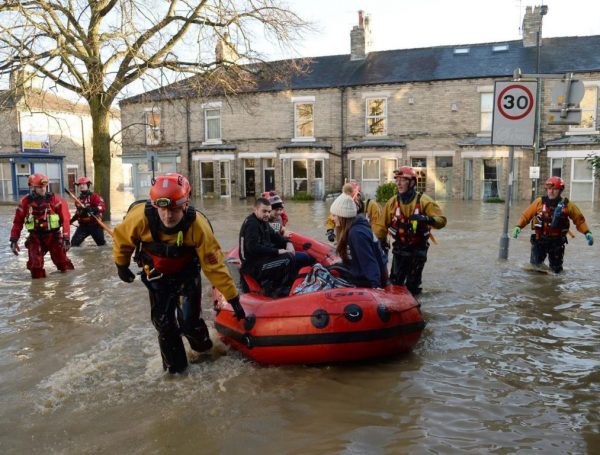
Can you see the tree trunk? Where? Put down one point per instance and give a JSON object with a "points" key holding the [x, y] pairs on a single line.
{"points": [[101, 151]]}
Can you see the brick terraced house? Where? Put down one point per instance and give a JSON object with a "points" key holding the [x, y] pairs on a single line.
{"points": [[361, 115]]}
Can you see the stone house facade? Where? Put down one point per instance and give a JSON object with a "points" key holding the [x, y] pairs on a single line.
{"points": [[360, 116], [44, 133]]}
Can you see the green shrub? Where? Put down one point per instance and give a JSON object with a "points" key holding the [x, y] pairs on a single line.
{"points": [[385, 192], [302, 196]]}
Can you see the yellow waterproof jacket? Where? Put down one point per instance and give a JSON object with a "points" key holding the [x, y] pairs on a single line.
{"points": [[428, 207], [135, 228], [571, 211], [373, 212]]}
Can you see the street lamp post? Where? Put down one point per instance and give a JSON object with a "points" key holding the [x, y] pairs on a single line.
{"points": [[538, 113]]}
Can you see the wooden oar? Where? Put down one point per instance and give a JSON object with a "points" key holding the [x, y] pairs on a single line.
{"points": [[96, 217]]}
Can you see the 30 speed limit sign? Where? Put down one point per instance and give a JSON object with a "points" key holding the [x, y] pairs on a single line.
{"points": [[514, 113]]}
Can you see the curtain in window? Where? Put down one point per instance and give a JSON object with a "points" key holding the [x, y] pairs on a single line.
{"points": [[213, 124]]}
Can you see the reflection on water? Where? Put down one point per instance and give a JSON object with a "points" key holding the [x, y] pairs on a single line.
{"points": [[508, 362]]}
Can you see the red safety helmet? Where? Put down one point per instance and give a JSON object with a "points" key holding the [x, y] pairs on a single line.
{"points": [[555, 182], [405, 172], [37, 180], [170, 190], [85, 180]]}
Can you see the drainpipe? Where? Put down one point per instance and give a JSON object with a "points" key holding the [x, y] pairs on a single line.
{"points": [[188, 139], [342, 132]]}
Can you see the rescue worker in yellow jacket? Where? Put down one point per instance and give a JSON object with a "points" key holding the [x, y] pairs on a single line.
{"points": [[172, 243], [408, 218], [549, 216], [369, 208]]}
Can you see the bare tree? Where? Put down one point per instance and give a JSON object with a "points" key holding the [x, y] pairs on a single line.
{"points": [[96, 48]]}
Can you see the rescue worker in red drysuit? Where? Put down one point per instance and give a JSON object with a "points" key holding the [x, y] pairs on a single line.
{"points": [[549, 216], [408, 218], [93, 205], [43, 214], [172, 243]]}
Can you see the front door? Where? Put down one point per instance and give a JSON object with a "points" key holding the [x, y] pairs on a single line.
{"points": [[468, 180], [443, 181], [250, 182], [269, 179]]}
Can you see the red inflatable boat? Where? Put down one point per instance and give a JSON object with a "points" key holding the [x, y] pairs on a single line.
{"points": [[333, 325]]}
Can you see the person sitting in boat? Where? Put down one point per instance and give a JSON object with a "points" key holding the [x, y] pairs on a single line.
{"points": [[369, 208], [357, 246], [273, 194], [267, 256], [275, 218]]}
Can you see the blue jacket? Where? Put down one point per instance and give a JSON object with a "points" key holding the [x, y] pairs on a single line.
{"points": [[366, 255]]}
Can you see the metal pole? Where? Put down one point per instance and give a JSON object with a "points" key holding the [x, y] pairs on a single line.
{"points": [[504, 238]]}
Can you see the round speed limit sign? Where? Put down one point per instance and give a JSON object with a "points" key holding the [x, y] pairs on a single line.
{"points": [[515, 102], [514, 113]]}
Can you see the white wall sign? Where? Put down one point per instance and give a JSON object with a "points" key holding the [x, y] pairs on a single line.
{"points": [[534, 172]]}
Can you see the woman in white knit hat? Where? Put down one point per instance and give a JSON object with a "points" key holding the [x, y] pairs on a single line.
{"points": [[358, 248]]}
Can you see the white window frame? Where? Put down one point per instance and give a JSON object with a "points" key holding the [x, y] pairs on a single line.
{"points": [[351, 164], [202, 179], [207, 117], [552, 160], [390, 178], [297, 101], [384, 116], [482, 112], [574, 129], [292, 175], [591, 180], [227, 178], [362, 170]]}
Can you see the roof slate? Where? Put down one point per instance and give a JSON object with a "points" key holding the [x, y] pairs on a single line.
{"points": [[557, 55]]}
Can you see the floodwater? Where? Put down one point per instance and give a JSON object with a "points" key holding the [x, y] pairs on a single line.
{"points": [[509, 361]]}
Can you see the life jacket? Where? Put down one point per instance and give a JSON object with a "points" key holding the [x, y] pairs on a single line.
{"points": [[42, 216], [159, 257], [551, 221], [363, 207], [82, 213], [405, 231]]}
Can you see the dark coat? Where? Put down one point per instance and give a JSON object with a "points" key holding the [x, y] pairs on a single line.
{"points": [[367, 257], [258, 241]]}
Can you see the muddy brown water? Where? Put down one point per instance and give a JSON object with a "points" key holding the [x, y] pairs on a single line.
{"points": [[509, 361]]}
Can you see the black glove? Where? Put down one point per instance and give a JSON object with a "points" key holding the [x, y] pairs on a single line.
{"points": [[330, 235], [73, 218], [422, 218], [238, 311], [125, 274], [14, 246], [66, 244], [385, 247], [93, 211]]}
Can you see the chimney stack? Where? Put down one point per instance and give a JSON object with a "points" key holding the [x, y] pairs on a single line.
{"points": [[224, 50], [360, 37], [532, 25], [21, 79]]}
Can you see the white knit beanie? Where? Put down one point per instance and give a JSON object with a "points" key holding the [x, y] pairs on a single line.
{"points": [[343, 206]]}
